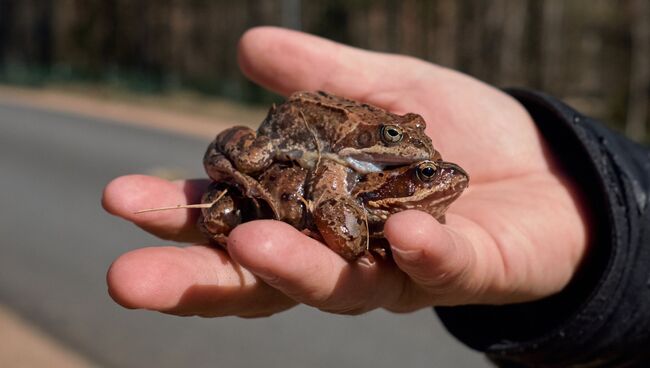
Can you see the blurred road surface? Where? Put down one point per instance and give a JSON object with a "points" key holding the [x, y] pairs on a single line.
{"points": [[24, 345], [57, 244]]}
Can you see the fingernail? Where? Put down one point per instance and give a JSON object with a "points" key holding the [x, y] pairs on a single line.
{"points": [[266, 275], [366, 261], [410, 255]]}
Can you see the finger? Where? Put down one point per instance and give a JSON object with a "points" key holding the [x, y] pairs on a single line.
{"points": [[127, 194], [311, 273], [196, 280], [443, 264], [285, 61]]}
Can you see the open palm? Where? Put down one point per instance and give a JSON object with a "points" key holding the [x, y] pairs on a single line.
{"points": [[517, 234]]}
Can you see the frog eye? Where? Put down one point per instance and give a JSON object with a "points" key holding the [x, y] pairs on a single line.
{"points": [[426, 171], [391, 134]]}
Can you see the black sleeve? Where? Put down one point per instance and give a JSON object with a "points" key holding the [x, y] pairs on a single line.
{"points": [[602, 318]]}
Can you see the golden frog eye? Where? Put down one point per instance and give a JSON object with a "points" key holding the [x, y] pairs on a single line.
{"points": [[426, 171], [391, 134]]}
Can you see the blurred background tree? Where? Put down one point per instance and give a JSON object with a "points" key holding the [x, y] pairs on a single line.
{"points": [[594, 54]]}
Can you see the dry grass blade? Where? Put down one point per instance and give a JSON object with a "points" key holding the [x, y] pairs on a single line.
{"points": [[183, 206]]}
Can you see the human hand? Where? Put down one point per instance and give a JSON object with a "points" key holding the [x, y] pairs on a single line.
{"points": [[518, 233]]}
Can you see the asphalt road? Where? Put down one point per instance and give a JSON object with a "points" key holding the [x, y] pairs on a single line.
{"points": [[57, 244]]}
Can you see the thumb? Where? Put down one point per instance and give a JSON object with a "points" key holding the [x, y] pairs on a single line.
{"points": [[436, 258]]}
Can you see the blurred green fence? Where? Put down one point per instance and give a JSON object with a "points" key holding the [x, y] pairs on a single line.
{"points": [[593, 53]]}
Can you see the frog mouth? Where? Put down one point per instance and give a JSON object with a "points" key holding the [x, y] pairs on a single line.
{"points": [[359, 165], [364, 167], [386, 157], [365, 163]]}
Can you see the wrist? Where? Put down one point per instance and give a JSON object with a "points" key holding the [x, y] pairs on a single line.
{"points": [[513, 329]]}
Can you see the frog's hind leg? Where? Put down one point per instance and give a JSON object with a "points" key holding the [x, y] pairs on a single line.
{"points": [[220, 169], [247, 151], [222, 216]]}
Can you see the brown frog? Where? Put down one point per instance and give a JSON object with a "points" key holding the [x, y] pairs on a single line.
{"points": [[310, 126], [430, 186], [314, 127]]}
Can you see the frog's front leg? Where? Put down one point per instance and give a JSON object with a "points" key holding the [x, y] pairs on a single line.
{"points": [[248, 152], [340, 219], [341, 223]]}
